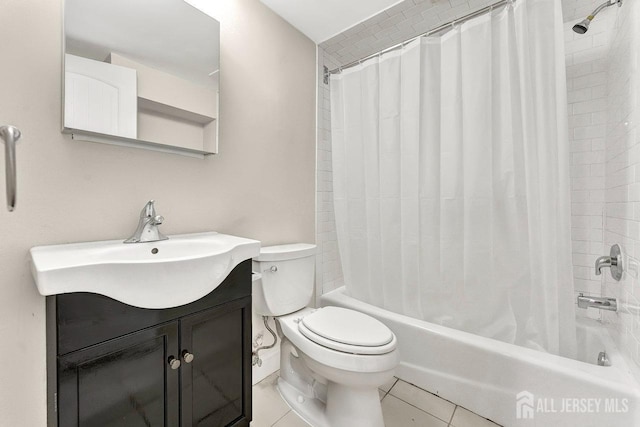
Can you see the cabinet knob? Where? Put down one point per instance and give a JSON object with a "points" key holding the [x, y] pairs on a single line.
{"points": [[174, 363], [188, 357]]}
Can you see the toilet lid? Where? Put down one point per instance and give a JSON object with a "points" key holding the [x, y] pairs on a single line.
{"points": [[347, 330]]}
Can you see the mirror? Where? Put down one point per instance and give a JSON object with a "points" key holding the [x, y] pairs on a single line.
{"points": [[142, 73]]}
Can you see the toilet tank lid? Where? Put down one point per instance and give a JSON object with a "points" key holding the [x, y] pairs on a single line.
{"points": [[286, 252]]}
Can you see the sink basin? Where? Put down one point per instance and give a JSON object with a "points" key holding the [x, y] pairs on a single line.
{"points": [[161, 274]]}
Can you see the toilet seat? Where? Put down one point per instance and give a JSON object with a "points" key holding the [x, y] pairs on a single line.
{"points": [[344, 360], [347, 331]]}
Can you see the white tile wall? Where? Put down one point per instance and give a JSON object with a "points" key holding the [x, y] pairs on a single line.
{"points": [[587, 61], [328, 267], [622, 172], [579, 9]]}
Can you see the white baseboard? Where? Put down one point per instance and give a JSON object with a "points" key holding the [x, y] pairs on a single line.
{"points": [[270, 364]]}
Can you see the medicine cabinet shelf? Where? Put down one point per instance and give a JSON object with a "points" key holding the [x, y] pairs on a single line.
{"points": [[84, 135]]}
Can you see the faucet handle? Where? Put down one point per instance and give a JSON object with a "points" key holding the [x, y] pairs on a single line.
{"points": [[614, 261], [149, 210]]}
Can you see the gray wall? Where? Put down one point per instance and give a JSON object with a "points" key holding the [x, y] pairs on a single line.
{"points": [[261, 185]]}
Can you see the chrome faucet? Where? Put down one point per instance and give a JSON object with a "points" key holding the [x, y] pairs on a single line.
{"points": [[603, 262], [147, 230], [605, 303], [613, 261]]}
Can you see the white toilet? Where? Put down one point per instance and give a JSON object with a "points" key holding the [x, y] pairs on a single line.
{"points": [[332, 359]]}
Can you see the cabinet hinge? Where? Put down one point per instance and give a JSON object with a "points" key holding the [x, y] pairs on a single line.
{"points": [[55, 402]]}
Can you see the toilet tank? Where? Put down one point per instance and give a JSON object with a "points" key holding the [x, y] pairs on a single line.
{"points": [[287, 278]]}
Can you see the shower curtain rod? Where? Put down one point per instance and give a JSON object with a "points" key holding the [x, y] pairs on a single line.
{"points": [[442, 27]]}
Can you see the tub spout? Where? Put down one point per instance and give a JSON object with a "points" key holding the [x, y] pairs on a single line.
{"points": [[610, 304]]}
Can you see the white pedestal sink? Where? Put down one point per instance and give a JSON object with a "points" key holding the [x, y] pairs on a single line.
{"points": [[162, 274]]}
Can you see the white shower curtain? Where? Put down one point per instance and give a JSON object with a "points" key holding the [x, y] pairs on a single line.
{"points": [[451, 178]]}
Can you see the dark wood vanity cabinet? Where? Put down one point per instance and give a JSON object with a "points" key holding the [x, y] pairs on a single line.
{"points": [[216, 371], [125, 381], [116, 365]]}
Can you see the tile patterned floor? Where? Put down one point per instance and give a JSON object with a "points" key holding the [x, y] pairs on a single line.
{"points": [[403, 405]]}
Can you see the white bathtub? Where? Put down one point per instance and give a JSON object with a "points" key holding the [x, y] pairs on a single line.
{"points": [[486, 376]]}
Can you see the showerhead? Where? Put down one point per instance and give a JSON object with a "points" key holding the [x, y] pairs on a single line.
{"points": [[583, 26]]}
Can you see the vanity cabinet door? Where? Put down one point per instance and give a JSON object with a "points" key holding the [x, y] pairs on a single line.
{"points": [[124, 382], [216, 366]]}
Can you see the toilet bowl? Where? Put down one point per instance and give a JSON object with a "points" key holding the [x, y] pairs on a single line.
{"points": [[332, 360]]}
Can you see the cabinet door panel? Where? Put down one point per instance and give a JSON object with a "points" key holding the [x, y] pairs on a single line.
{"points": [[124, 382], [216, 385]]}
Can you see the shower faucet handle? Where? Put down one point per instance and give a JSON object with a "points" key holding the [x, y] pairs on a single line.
{"points": [[613, 261]]}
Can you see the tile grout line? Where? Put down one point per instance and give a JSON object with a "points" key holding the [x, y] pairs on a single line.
{"points": [[422, 410], [449, 423], [452, 414], [392, 386], [433, 394], [386, 393], [278, 420]]}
